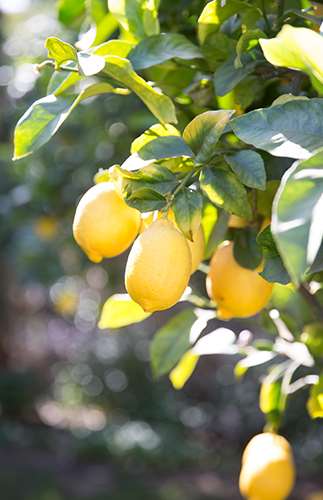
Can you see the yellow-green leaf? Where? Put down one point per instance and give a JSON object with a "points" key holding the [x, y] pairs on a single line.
{"points": [[120, 310], [60, 51], [315, 401], [299, 49], [156, 130], [183, 370]]}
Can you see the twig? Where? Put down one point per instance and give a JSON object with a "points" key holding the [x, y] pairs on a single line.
{"points": [[264, 11]]}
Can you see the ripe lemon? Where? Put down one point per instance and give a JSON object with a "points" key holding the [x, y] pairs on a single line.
{"points": [[104, 225], [197, 246], [159, 267], [267, 471], [237, 291]]}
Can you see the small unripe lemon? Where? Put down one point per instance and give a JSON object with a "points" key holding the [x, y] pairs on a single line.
{"points": [[104, 225], [267, 471], [159, 267], [197, 246], [237, 291]]}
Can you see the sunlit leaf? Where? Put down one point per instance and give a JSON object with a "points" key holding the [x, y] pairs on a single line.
{"points": [[60, 51], [187, 208], [183, 370], [120, 310], [249, 168]]}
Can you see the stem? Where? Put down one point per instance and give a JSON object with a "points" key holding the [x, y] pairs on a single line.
{"points": [[312, 301], [264, 11], [280, 9], [49, 62]]}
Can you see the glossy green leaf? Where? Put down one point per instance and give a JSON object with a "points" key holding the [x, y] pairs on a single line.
{"points": [[249, 168], [226, 191], [227, 76], [137, 18], [60, 51], [297, 216], [70, 11], [61, 81], [158, 149], [293, 129], [246, 250], [157, 49], [298, 49], [45, 116], [187, 207], [119, 311], [204, 131], [248, 40], [274, 269], [216, 12], [159, 104], [155, 131], [171, 342]]}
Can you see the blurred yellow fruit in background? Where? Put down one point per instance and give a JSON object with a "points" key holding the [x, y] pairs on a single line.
{"points": [[104, 225], [237, 291], [159, 267], [267, 471], [46, 227]]}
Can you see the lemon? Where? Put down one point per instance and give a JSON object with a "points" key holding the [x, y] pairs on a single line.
{"points": [[159, 267], [104, 225], [267, 471], [197, 246], [237, 291]]}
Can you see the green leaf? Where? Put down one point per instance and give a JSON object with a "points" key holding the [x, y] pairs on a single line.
{"points": [[70, 11], [187, 208], [45, 116], [315, 401], [297, 216], [60, 51], [214, 228], [216, 12], [171, 342], [183, 370], [61, 81], [137, 18], [293, 129], [145, 199], [204, 131], [120, 48], [227, 76], [158, 149], [155, 131], [248, 40], [246, 250], [299, 49], [274, 269], [226, 191], [249, 168], [119, 311], [160, 48], [159, 104]]}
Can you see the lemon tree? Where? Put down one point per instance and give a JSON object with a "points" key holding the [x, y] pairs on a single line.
{"points": [[226, 181]]}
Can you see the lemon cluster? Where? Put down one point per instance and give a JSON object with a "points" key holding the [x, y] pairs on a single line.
{"points": [[162, 259]]}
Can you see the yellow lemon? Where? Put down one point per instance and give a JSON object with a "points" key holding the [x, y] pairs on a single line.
{"points": [[197, 246], [267, 471], [237, 222], [159, 267], [104, 225], [237, 291]]}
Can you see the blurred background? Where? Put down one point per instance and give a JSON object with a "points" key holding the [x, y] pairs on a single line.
{"points": [[81, 417]]}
